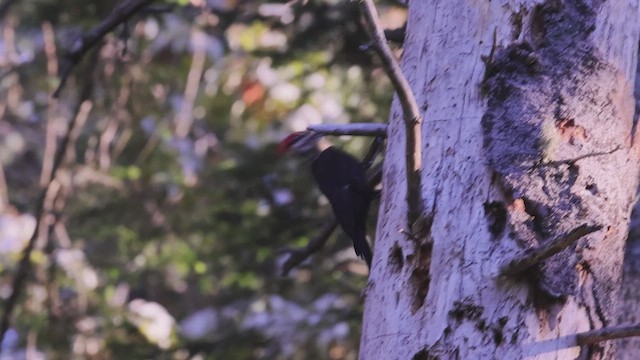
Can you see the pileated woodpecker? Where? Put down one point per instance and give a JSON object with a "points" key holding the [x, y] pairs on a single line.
{"points": [[342, 179]]}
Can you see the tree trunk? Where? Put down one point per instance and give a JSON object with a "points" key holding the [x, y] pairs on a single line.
{"points": [[528, 134], [630, 292]]}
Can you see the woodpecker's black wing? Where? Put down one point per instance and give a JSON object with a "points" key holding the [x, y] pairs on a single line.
{"points": [[342, 179]]}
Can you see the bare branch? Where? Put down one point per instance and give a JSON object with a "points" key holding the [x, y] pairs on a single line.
{"points": [[184, 118], [530, 257], [120, 14], [54, 206], [581, 339], [74, 134], [412, 115], [4, 190], [609, 333], [53, 112], [357, 129], [368, 159], [297, 256], [581, 157], [42, 215]]}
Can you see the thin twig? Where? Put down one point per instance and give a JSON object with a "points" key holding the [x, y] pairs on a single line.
{"points": [[120, 14], [184, 118], [582, 339], [4, 190], [608, 333], [374, 149], [297, 256], [357, 129], [581, 157], [54, 207], [147, 149], [81, 119], [412, 115], [49, 39], [529, 258]]}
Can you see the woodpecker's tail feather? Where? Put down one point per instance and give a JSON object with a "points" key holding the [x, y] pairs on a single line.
{"points": [[363, 250]]}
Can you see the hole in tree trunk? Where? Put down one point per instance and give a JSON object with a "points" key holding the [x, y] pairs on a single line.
{"points": [[420, 277], [396, 260], [496, 214]]}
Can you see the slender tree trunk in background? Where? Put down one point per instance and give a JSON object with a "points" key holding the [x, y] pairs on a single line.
{"points": [[528, 133]]}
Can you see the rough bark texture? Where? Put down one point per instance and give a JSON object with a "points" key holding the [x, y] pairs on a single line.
{"points": [[630, 293], [528, 123]]}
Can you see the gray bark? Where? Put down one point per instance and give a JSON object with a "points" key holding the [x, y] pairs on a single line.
{"points": [[528, 133], [630, 292]]}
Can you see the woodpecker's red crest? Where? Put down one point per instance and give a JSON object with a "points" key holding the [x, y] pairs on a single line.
{"points": [[303, 143], [285, 145]]}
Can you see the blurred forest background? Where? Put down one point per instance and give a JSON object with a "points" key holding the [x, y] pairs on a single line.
{"points": [[171, 207]]}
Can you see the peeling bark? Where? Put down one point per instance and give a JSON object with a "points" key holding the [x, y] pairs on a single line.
{"points": [[527, 134]]}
